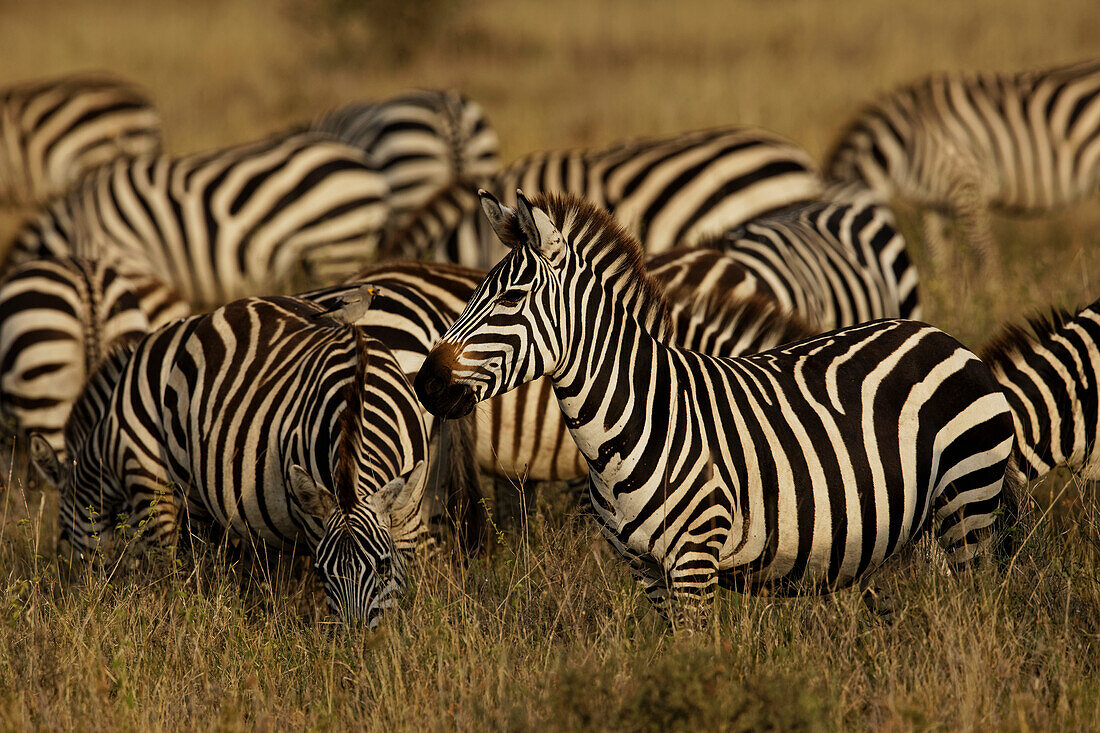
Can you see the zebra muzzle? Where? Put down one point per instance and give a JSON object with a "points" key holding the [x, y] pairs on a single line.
{"points": [[438, 392]]}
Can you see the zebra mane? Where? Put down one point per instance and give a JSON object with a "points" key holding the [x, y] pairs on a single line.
{"points": [[613, 252], [350, 423], [1015, 339]]}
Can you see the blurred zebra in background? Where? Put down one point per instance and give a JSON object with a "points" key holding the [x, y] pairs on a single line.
{"points": [[420, 142], [55, 130], [1050, 373], [959, 143], [58, 319], [799, 469], [259, 218], [667, 191], [275, 420]]}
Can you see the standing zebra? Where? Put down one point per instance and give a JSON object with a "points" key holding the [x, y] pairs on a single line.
{"points": [[667, 191], [55, 130], [1050, 374], [58, 319], [247, 220], [802, 468], [961, 143], [420, 142], [276, 421], [837, 261]]}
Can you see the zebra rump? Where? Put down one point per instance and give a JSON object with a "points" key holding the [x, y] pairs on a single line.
{"points": [[58, 319], [53, 131]]}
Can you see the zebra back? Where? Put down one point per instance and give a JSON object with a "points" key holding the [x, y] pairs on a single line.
{"points": [[420, 142], [1050, 373], [257, 218], [53, 131], [58, 320]]}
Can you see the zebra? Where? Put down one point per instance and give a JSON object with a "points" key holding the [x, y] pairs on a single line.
{"points": [[276, 421], [58, 319], [1050, 371], [667, 191], [799, 469], [52, 131], [247, 220], [836, 261], [959, 143], [419, 141]]}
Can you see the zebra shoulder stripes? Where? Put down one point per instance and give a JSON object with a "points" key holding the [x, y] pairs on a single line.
{"points": [[836, 261], [1050, 373], [53, 131], [800, 468], [419, 141], [962, 142], [276, 421], [247, 220], [58, 319]]}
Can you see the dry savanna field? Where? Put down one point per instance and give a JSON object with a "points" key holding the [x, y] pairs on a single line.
{"points": [[547, 631]]}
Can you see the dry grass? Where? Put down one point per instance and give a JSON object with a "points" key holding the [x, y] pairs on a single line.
{"points": [[549, 632]]}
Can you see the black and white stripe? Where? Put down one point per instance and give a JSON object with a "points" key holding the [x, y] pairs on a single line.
{"points": [[274, 420], [837, 261], [667, 191], [420, 142], [1050, 373], [962, 142], [53, 131], [254, 219], [58, 319], [798, 469]]}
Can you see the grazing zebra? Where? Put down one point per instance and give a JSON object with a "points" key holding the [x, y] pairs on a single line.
{"points": [[961, 143], [276, 421], [666, 191], [58, 319], [53, 131], [242, 221], [420, 142], [837, 262], [1050, 374], [802, 468]]}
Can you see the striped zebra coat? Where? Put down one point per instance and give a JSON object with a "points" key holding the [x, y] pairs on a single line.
{"points": [[58, 319], [274, 420], [961, 143], [802, 468], [420, 142], [1050, 373], [837, 261], [55, 130], [249, 220], [667, 191]]}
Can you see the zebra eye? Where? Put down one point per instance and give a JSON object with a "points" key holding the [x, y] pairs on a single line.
{"points": [[513, 296]]}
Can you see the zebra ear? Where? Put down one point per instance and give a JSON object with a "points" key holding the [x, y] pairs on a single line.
{"points": [[527, 219], [314, 500], [501, 218], [44, 458], [389, 495]]}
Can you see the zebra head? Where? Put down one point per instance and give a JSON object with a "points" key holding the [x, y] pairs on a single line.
{"points": [[361, 569], [510, 331]]}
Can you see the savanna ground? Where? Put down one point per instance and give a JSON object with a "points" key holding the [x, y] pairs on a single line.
{"points": [[549, 632]]}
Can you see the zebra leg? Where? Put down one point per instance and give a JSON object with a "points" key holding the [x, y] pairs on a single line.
{"points": [[935, 240], [973, 212], [155, 509], [693, 578]]}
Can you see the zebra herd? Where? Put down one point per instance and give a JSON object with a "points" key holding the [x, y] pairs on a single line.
{"points": [[319, 340]]}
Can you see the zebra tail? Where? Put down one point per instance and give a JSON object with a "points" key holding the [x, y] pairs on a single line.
{"points": [[1014, 524]]}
